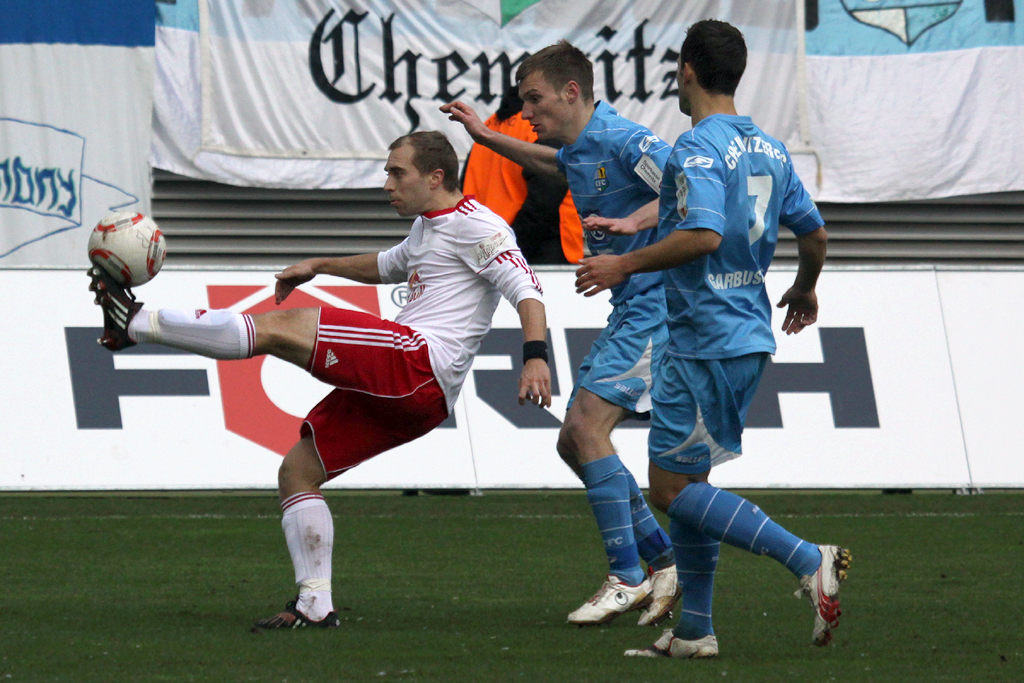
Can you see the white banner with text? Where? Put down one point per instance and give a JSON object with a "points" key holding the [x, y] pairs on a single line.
{"points": [[309, 95], [878, 101]]}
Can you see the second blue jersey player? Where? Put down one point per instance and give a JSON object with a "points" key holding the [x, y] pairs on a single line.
{"points": [[726, 190], [614, 169]]}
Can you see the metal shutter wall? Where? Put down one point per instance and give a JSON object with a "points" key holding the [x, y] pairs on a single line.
{"points": [[211, 224], [977, 230], [215, 225]]}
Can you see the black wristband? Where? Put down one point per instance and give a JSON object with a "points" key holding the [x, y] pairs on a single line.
{"points": [[535, 349]]}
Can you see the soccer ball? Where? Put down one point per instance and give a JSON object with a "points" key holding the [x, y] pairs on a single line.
{"points": [[129, 246]]}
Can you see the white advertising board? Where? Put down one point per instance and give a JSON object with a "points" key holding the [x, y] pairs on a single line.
{"points": [[905, 382]]}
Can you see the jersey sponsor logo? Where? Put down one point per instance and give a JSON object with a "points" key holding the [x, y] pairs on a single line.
{"points": [[699, 162], [647, 169], [740, 278], [486, 249], [331, 359], [682, 191], [416, 287], [597, 241], [646, 143], [600, 179]]}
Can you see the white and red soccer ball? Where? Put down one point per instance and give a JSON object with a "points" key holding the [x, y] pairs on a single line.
{"points": [[129, 246]]}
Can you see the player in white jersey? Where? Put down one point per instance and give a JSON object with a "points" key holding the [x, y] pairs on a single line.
{"points": [[613, 167], [450, 304], [395, 381]]}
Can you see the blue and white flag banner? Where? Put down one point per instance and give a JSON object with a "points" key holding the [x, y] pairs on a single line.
{"points": [[310, 94], [75, 123], [914, 99]]}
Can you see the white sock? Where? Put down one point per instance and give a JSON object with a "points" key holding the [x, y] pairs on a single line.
{"points": [[224, 335], [309, 531]]}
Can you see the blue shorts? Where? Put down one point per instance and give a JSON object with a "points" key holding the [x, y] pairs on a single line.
{"points": [[625, 357], [700, 407]]}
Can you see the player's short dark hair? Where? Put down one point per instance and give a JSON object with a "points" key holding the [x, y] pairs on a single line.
{"points": [[559, 64], [717, 53], [432, 152]]}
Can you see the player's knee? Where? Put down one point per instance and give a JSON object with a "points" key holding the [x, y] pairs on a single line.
{"points": [[288, 476], [287, 334], [565, 446], [664, 493], [661, 497], [300, 472], [574, 434], [567, 452], [280, 326]]}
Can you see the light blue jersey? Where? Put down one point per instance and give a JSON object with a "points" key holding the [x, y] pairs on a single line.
{"points": [[718, 305], [614, 168]]}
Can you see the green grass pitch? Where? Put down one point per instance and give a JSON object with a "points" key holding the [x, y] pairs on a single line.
{"points": [[150, 587]]}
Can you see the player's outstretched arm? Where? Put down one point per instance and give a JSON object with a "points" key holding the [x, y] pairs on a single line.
{"points": [[536, 158], [599, 273], [360, 268], [801, 299], [644, 218], [535, 380]]}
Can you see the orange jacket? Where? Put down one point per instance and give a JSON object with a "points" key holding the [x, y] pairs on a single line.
{"points": [[498, 184]]}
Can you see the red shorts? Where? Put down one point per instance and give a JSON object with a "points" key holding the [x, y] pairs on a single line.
{"points": [[386, 393]]}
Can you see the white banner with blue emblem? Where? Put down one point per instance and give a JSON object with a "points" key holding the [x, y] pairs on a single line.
{"points": [[913, 99], [75, 123]]}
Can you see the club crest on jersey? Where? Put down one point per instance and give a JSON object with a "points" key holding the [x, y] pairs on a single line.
{"points": [[600, 179]]}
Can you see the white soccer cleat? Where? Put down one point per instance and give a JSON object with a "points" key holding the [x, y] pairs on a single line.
{"points": [[670, 646], [614, 598], [822, 589], [665, 592]]}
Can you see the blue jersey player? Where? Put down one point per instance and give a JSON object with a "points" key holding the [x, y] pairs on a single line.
{"points": [[726, 189], [613, 167]]}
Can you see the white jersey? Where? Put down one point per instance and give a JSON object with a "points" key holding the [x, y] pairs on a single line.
{"points": [[458, 263]]}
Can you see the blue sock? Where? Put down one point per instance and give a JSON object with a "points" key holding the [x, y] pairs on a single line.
{"points": [[696, 559], [652, 542], [608, 494], [726, 517]]}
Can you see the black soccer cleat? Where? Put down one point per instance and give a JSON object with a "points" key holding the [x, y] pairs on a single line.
{"points": [[119, 307], [293, 618]]}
